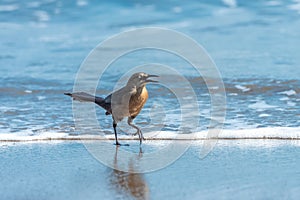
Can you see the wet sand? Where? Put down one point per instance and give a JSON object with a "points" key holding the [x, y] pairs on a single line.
{"points": [[235, 169]]}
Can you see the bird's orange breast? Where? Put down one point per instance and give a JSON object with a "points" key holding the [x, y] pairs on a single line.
{"points": [[137, 101]]}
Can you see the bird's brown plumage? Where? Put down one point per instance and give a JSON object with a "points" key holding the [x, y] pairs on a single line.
{"points": [[137, 101]]}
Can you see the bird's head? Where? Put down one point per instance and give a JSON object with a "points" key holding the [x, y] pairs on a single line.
{"points": [[141, 79]]}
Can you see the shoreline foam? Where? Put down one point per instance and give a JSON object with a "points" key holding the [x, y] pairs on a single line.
{"points": [[277, 133]]}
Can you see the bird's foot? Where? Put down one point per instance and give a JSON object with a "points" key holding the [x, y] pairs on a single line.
{"points": [[119, 144]]}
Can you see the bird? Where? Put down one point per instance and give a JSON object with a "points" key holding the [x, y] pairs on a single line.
{"points": [[125, 102]]}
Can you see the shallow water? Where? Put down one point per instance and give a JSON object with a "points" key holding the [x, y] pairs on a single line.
{"points": [[244, 169]]}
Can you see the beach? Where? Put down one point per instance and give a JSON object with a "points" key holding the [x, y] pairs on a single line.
{"points": [[222, 122], [235, 169]]}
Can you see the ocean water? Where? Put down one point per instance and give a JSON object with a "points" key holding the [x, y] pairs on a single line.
{"points": [[255, 46]]}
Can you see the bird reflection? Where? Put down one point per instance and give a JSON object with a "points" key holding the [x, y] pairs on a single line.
{"points": [[126, 184]]}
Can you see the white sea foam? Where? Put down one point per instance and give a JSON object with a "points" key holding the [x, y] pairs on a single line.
{"points": [[9, 8], [273, 3], [295, 6], [27, 136], [243, 88], [261, 105], [230, 3], [287, 133], [290, 103], [28, 91], [81, 3], [262, 133], [6, 108], [214, 88], [257, 133], [34, 4], [284, 99], [41, 98], [42, 16], [264, 115], [289, 92]]}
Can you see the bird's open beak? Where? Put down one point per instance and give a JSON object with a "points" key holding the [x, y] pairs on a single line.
{"points": [[149, 80]]}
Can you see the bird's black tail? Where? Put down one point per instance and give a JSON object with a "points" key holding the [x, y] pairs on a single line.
{"points": [[85, 97]]}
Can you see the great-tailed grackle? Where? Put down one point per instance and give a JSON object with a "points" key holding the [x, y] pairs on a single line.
{"points": [[125, 102]]}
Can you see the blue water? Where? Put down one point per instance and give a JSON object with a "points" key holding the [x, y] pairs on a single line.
{"points": [[234, 170], [255, 45]]}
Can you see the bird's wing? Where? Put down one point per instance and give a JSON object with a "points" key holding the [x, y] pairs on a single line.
{"points": [[120, 96], [119, 102]]}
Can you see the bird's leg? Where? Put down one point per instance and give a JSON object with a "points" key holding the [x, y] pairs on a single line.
{"points": [[115, 130], [129, 121]]}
